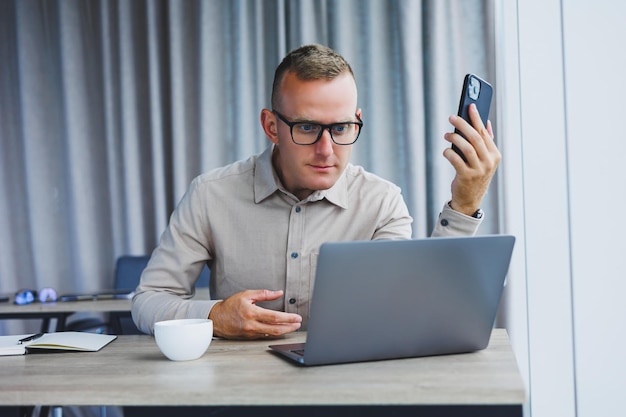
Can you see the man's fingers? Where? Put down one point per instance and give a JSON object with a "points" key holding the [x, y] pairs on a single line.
{"points": [[265, 315], [264, 295], [276, 330], [271, 323], [490, 129], [239, 317], [477, 122], [277, 317]]}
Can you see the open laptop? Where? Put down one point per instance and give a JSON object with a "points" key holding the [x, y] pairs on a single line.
{"points": [[375, 300]]}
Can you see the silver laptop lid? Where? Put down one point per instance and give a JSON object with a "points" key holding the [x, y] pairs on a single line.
{"points": [[391, 299]]}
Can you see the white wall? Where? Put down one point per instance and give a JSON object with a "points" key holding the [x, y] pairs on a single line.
{"points": [[562, 103], [595, 75]]}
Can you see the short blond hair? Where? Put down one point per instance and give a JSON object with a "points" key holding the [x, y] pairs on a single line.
{"points": [[310, 62]]}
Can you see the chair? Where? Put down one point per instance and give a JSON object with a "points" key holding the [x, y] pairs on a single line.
{"points": [[128, 269]]}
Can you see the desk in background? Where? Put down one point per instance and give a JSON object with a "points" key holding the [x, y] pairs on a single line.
{"points": [[60, 311], [131, 371]]}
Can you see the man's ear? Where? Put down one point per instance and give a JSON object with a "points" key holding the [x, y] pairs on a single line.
{"points": [[269, 123]]}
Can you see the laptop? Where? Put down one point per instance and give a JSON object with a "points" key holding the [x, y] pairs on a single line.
{"points": [[390, 299]]}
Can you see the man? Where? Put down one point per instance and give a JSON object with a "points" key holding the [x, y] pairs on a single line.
{"points": [[259, 223]]}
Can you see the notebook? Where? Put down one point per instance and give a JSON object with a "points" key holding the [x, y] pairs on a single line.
{"points": [[53, 342], [375, 300]]}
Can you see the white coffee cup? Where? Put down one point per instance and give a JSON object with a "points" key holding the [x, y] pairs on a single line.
{"points": [[183, 339]]}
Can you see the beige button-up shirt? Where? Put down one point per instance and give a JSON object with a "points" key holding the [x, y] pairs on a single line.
{"points": [[256, 235]]}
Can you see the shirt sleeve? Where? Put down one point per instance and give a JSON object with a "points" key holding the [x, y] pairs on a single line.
{"points": [[167, 284], [396, 223], [453, 223]]}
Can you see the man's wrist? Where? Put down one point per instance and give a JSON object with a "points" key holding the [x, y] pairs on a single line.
{"points": [[475, 213]]}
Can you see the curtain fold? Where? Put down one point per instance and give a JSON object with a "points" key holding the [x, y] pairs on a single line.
{"points": [[108, 109]]}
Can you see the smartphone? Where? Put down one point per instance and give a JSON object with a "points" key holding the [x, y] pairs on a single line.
{"points": [[478, 91]]}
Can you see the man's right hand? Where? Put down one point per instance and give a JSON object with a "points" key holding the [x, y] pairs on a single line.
{"points": [[238, 317]]}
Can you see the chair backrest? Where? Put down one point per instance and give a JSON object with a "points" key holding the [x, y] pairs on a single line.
{"points": [[203, 279], [128, 270]]}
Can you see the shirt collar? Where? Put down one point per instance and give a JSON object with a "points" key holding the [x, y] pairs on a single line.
{"points": [[266, 183], [265, 180]]}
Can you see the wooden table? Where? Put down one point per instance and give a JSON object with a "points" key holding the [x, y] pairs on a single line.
{"points": [[131, 371]]}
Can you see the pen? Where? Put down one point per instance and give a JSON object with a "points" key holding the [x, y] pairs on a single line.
{"points": [[30, 338]]}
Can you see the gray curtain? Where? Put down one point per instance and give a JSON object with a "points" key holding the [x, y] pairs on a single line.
{"points": [[109, 108]]}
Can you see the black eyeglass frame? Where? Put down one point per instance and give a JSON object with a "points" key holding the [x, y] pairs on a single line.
{"points": [[324, 127]]}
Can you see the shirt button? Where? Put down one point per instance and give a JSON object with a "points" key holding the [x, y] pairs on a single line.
{"points": [[444, 222], [298, 209], [294, 255], [292, 301]]}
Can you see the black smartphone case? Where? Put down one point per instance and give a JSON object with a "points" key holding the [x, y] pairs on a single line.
{"points": [[483, 102]]}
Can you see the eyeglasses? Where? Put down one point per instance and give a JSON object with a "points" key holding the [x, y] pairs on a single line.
{"points": [[308, 133], [45, 295]]}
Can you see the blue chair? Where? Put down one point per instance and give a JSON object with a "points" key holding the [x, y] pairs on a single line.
{"points": [[128, 271]]}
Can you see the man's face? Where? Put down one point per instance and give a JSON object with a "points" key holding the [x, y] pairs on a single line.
{"points": [[304, 169]]}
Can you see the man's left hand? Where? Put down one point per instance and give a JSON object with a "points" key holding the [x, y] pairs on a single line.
{"points": [[473, 176]]}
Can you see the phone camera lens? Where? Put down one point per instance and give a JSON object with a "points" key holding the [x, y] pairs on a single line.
{"points": [[474, 88]]}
